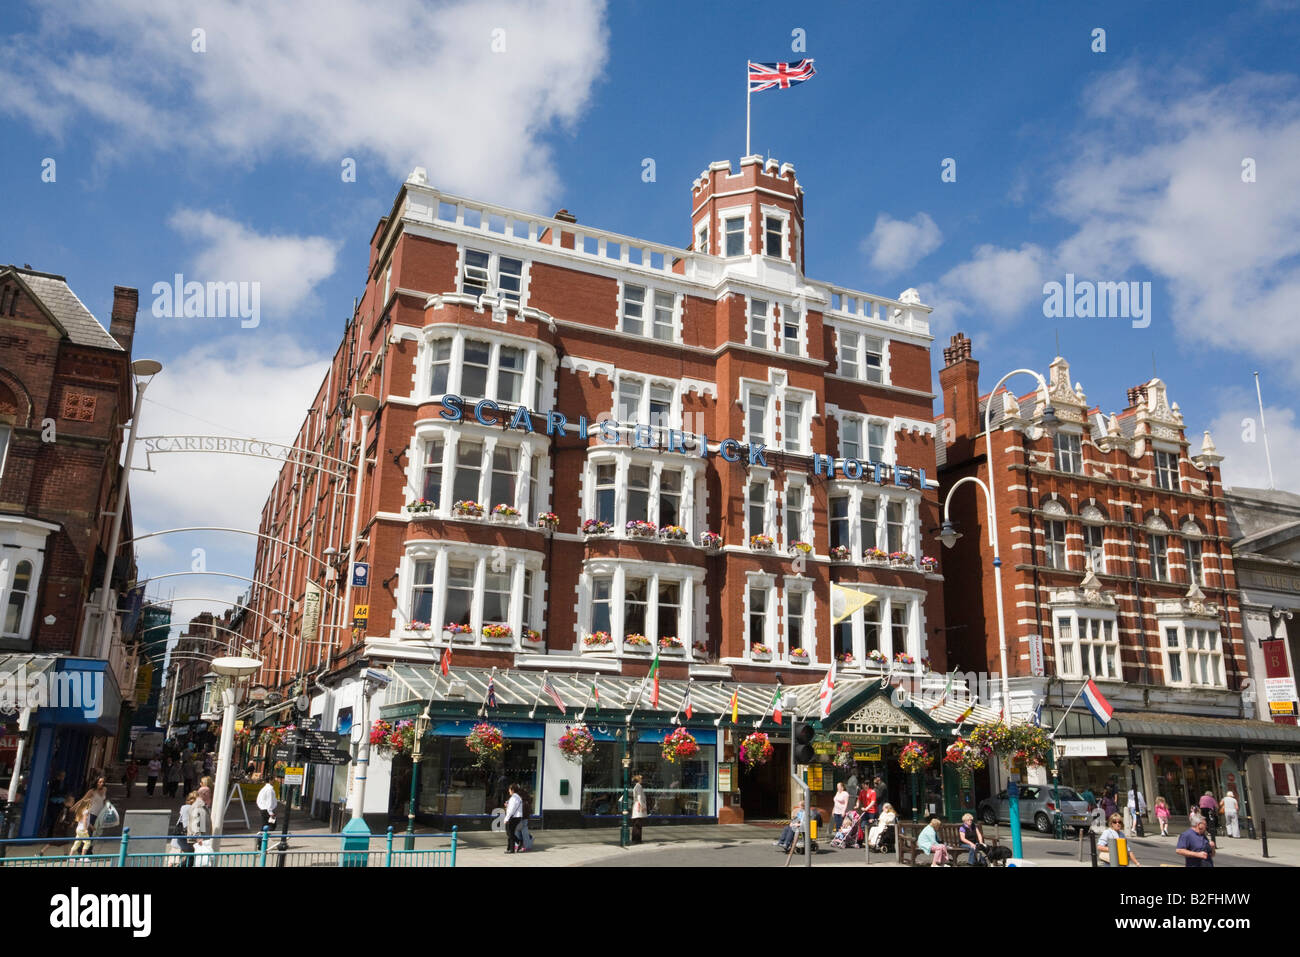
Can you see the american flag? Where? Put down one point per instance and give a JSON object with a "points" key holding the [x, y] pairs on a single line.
{"points": [[765, 76], [549, 689]]}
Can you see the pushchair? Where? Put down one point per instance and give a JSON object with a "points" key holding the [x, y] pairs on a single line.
{"points": [[848, 828]]}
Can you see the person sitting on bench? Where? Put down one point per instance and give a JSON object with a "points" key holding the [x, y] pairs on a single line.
{"points": [[929, 842]]}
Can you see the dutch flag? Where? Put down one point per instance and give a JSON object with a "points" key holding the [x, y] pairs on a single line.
{"points": [[1097, 703]]}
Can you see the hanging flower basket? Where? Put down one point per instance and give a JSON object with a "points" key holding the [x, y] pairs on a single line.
{"points": [[487, 743], [915, 757], [577, 743], [1031, 743], [756, 749], [392, 738], [965, 757], [680, 744], [844, 757], [993, 738]]}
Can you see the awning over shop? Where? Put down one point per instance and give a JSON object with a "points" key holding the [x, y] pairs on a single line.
{"points": [[464, 692], [1231, 734]]}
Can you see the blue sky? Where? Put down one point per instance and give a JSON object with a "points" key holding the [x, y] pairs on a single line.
{"points": [[1123, 165]]}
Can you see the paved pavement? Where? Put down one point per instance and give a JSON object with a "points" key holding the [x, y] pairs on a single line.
{"points": [[727, 845]]}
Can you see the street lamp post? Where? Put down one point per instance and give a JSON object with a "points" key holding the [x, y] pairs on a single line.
{"points": [[144, 370], [365, 404], [234, 669], [421, 729], [625, 832]]}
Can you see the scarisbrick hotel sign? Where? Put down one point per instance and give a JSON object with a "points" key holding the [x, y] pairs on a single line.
{"points": [[607, 430]]}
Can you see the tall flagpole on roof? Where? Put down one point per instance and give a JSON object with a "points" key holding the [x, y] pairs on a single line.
{"points": [[747, 99]]}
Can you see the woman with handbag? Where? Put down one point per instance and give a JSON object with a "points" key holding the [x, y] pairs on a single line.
{"points": [[97, 798], [181, 829]]}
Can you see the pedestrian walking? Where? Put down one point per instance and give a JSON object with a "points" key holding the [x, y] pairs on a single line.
{"points": [[200, 824], [267, 801], [839, 806], [1108, 803], [1195, 845], [85, 825], [1136, 808], [639, 810], [1210, 811], [189, 773], [514, 811], [868, 801], [96, 798], [129, 775], [183, 828], [1230, 809], [155, 769], [525, 836], [171, 777], [1162, 816], [1108, 846]]}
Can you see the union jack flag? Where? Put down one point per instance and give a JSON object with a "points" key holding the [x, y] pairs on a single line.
{"points": [[549, 689], [764, 76]]}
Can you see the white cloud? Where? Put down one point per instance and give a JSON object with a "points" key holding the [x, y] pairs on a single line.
{"points": [[287, 267], [994, 285], [895, 244], [402, 83], [1240, 440]]}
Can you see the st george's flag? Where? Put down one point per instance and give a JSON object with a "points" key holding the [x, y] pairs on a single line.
{"points": [[767, 76], [827, 691]]}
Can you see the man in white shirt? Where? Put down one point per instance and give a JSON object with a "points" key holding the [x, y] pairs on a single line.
{"points": [[514, 814], [267, 801]]}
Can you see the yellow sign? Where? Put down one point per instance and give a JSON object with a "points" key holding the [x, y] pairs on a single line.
{"points": [[1281, 707], [861, 753], [294, 776], [362, 613], [239, 724], [815, 772]]}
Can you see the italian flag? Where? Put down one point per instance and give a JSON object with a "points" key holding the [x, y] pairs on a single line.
{"points": [[654, 673], [776, 705], [595, 694]]}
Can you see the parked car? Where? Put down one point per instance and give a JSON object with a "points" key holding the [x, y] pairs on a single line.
{"points": [[1036, 808]]}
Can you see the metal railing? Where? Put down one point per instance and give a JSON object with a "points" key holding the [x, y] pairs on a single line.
{"points": [[315, 850]]}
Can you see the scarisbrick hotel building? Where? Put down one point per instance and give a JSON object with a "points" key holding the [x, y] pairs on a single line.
{"points": [[588, 446]]}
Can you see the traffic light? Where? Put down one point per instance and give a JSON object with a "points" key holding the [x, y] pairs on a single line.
{"points": [[803, 749]]}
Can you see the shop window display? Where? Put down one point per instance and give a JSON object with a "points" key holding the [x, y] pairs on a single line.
{"points": [[673, 789]]}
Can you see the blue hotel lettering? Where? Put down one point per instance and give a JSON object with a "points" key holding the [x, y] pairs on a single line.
{"points": [[684, 443]]}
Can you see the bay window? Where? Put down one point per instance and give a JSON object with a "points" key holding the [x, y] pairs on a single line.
{"points": [[505, 472], [475, 366], [496, 597], [469, 466], [504, 370], [431, 487], [510, 375], [670, 497], [457, 583], [635, 602], [460, 595], [626, 485], [422, 593], [638, 493], [606, 490], [669, 610], [601, 596], [624, 597], [888, 624], [1193, 654], [1087, 646], [440, 384], [470, 463]]}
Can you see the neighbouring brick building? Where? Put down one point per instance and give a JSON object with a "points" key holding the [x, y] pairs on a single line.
{"points": [[567, 416], [65, 397], [1115, 552]]}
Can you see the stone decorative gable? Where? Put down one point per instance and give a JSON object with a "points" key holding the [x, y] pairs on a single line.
{"points": [[881, 718], [1088, 594], [1070, 403]]}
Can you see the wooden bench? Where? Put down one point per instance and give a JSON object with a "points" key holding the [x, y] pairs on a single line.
{"points": [[908, 851]]}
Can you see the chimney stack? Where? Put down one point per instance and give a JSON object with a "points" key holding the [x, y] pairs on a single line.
{"points": [[960, 380], [126, 303]]}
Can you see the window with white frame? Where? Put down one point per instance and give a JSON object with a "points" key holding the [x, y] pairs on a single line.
{"points": [[1069, 452], [869, 523], [773, 235], [1094, 539], [638, 493], [504, 371], [469, 471], [1193, 654], [896, 527], [850, 437], [877, 441], [756, 508], [757, 627], [459, 466], [493, 273], [503, 489], [757, 405], [1167, 470], [794, 425], [733, 231], [602, 619], [1193, 549], [796, 523], [636, 603], [670, 609], [431, 484], [791, 331], [632, 487], [18, 599], [702, 239], [639, 599], [850, 355], [606, 487], [798, 605], [887, 624], [468, 586], [838, 508], [648, 312], [460, 593], [643, 402], [759, 320], [1087, 646], [1054, 544], [1159, 545], [670, 498]]}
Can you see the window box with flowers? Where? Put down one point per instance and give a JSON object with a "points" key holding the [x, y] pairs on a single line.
{"points": [[421, 505], [639, 529], [760, 652], [803, 547], [875, 556], [594, 526], [673, 533], [548, 521], [532, 638], [637, 644], [461, 634], [710, 541], [597, 643], [846, 659], [799, 656], [672, 646], [498, 635], [841, 553], [467, 508], [760, 543], [903, 658], [901, 560], [876, 658], [420, 626], [504, 513], [929, 564]]}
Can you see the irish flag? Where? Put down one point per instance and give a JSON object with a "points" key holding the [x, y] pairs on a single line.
{"points": [[654, 673], [1097, 703]]}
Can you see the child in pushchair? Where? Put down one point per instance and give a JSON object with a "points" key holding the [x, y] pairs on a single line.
{"points": [[850, 832]]}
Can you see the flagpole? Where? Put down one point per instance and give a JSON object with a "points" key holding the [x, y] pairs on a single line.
{"points": [[538, 695], [483, 708], [747, 98], [1068, 708]]}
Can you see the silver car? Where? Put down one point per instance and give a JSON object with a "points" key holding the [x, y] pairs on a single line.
{"points": [[1036, 808]]}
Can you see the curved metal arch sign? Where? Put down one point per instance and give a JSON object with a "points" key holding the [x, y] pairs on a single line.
{"points": [[230, 445]]}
